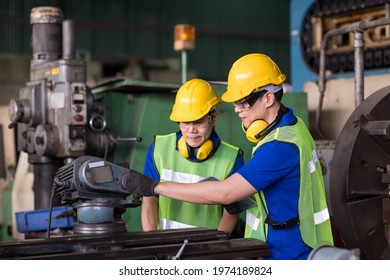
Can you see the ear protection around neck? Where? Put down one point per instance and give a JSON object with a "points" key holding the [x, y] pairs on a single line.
{"points": [[201, 153], [254, 130], [258, 129]]}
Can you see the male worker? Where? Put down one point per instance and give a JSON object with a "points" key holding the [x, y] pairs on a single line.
{"points": [[284, 174], [190, 155]]}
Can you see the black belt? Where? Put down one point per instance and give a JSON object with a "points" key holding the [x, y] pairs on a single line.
{"points": [[286, 225]]}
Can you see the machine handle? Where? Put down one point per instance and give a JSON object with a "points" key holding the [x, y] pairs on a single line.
{"points": [[129, 139], [19, 115], [177, 257]]}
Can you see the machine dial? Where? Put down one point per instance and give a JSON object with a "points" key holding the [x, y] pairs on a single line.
{"points": [[15, 110]]}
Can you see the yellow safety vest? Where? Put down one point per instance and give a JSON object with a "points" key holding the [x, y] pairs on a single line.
{"points": [[314, 220], [175, 168]]}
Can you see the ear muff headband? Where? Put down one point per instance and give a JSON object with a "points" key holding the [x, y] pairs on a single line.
{"points": [[201, 153]]}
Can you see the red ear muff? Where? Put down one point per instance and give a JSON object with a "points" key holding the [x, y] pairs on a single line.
{"points": [[201, 153], [256, 130]]}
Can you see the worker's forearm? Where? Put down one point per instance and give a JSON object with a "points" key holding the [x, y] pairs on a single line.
{"points": [[149, 222], [195, 193], [222, 192], [228, 222], [149, 214]]}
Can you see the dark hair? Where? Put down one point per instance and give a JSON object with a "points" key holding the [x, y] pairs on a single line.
{"points": [[256, 95], [279, 95]]}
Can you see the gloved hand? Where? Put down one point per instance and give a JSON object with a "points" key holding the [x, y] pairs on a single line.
{"points": [[233, 208], [139, 184], [239, 206]]}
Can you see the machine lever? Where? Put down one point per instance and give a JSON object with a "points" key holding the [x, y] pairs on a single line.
{"points": [[19, 116], [137, 139], [177, 257]]}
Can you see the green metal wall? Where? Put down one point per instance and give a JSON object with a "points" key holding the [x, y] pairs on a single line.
{"points": [[226, 29]]}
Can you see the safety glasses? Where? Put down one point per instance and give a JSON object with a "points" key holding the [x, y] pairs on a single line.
{"points": [[201, 123], [247, 103]]}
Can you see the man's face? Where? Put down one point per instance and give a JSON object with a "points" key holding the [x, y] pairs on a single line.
{"points": [[197, 132], [248, 113]]}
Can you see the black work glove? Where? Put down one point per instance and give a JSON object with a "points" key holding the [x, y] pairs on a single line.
{"points": [[239, 206], [233, 208], [139, 184]]}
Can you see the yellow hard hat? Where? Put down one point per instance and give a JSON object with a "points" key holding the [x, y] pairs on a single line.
{"points": [[249, 73], [194, 100]]}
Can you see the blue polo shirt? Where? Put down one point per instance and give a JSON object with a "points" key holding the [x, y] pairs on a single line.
{"points": [[274, 169]]}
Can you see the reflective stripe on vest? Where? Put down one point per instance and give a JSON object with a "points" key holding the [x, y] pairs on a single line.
{"points": [[252, 221], [174, 167], [173, 176], [312, 163], [323, 215], [168, 224]]}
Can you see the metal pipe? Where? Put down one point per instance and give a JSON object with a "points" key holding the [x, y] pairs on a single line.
{"points": [[3, 173], [385, 192], [359, 67], [68, 42], [321, 82], [358, 28], [183, 66]]}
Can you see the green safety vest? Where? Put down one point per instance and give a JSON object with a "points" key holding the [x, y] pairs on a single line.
{"points": [[314, 220], [174, 167]]}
